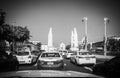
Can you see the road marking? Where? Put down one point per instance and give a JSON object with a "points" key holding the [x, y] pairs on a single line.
{"points": [[88, 68]]}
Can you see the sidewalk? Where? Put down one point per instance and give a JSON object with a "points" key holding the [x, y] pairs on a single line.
{"points": [[104, 57]]}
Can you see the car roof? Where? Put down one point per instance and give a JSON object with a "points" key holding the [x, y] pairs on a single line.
{"points": [[51, 52]]}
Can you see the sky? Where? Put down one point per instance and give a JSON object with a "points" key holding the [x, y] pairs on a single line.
{"points": [[63, 16]]}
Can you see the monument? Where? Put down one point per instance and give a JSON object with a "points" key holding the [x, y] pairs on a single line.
{"points": [[50, 40], [74, 40]]}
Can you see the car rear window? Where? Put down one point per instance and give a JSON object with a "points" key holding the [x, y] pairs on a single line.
{"points": [[22, 53], [50, 55], [70, 51], [85, 53]]}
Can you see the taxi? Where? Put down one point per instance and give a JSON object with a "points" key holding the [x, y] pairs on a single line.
{"points": [[83, 57], [50, 60], [24, 57]]}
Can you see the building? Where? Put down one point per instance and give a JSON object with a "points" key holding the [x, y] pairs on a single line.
{"points": [[62, 46]]}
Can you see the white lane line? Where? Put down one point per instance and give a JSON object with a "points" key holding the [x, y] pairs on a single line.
{"points": [[88, 68]]}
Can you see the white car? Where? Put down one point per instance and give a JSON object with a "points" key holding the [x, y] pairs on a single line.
{"points": [[63, 52], [50, 60], [83, 57], [69, 54], [24, 57]]}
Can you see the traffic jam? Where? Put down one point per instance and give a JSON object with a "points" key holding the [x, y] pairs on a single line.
{"points": [[55, 59]]}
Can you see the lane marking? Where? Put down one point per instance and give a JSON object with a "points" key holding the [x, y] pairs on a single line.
{"points": [[88, 68]]}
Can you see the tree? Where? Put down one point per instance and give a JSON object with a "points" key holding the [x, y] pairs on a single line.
{"points": [[68, 47], [21, 33], [2, 21], [39, 45], [2, 17], [12, 33]]}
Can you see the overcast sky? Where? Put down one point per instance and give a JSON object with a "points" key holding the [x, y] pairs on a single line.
{"points": [[63, 16]]}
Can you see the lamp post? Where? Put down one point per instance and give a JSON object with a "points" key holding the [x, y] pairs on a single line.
{"points": [[85, 20], [106, 20]]}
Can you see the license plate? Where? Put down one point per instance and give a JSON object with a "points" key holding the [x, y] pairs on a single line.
{"points": [[50, 63]]}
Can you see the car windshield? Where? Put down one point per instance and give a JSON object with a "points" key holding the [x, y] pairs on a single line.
{"points": [[22, 53], [34, 52], [50, 55]]}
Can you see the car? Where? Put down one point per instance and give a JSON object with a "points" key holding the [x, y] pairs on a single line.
{"points": [[35, 54], [8, 62], [24, 57], [50, 60], [63, 52], [110, 68], [83, 58], [68, 54]]}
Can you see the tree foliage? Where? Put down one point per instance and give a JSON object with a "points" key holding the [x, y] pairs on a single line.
{"points": [[68, 47], [2, 17], [39, 45], [20, 33], [12, 33]]}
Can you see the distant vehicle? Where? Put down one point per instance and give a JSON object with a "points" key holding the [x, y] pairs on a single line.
{"points": [[35, 54], [8, 62], [83, 57], [50, 60], [24, 57], [68, 54], [63, 52], [109, 69]]}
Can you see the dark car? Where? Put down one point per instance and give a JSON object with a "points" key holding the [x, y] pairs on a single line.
{"points": [[8, 63], [50, 60], [109, 68]]}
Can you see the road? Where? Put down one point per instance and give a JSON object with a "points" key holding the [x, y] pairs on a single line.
{"points": [[69, 67]]}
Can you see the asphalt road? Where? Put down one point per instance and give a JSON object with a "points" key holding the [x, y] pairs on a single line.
{"points": [[69, 67]]}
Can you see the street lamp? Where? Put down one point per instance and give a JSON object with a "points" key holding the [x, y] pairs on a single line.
{"points": [[85, 20], [106, 20]]}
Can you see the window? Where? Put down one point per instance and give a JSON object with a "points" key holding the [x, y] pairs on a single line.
{"points": [[50, 55], [23, 53]]}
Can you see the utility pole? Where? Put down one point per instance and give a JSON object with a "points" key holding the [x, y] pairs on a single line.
{"points": [[106, 20], [85, 20]]}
